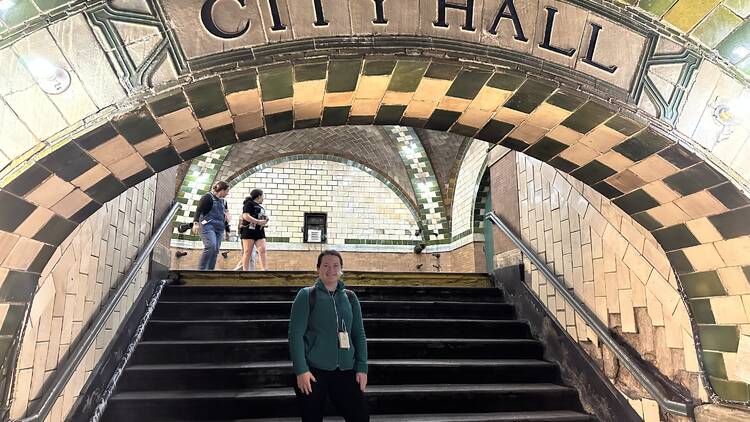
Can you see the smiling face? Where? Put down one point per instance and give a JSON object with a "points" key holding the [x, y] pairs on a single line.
{"points": [[329, 269]]}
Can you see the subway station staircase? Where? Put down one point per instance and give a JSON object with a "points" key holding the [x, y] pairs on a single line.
{"points": [[441, 348]]}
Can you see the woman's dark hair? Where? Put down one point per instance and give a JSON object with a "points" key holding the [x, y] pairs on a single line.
{"points": [[255, 194], [332, 252], [220, 186]]}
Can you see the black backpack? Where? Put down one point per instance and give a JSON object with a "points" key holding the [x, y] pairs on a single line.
{"points": [[311, 295]]}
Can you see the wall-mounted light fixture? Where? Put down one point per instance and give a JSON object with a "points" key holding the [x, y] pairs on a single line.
{"points": [[51, 78], [729, 112]]}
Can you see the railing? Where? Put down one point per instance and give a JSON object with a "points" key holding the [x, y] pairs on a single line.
{"points": [[601, 330], [68, 368]]}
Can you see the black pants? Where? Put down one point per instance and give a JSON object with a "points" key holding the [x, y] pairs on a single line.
{"points": [[344, 392]]}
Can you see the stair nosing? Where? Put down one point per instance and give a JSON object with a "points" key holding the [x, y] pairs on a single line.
{"points": [[244, 320], [377, 340]]}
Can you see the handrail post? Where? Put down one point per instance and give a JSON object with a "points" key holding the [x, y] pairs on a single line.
{"points": [[601, 330], [64, 373]]}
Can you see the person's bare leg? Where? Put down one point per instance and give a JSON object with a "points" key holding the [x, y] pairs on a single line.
{"points": [[247, 249], [260, 244]]}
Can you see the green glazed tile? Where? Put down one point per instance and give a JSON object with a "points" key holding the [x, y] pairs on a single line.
{"points": [[719, 337], [467, 84], [736, 47], [21, 11], [389, 114], [168, 102], [589, 116], [565, 101], [642, 145], [406, 76], [279, 122], [545, 149], [334, 116], [675, 237], [647, 221], [593, 172], [276, 83], [310, 72], [730, 390], [714, 364], [740, 7], [656, 7], [623, 125], [720, 23], [45, 5], [442, 71], [685, 14], [137, 126], [530, 95], [378, 67], [240, 81], [206, 97], [636, 201], [702, 284], [347, 74], [506, 81], [702, 312]]}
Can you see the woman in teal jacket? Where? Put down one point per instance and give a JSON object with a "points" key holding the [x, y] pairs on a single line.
{"points": [[328, 346]]}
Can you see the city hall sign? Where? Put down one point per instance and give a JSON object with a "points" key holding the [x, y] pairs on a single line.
{"points": [[550, 30]]}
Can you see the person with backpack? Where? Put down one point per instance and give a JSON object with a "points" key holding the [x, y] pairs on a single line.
{"points": [[211, 220], [252, 229], [328, 346]]}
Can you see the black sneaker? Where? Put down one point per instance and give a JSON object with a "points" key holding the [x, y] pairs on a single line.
{"points": [[182, 228]]}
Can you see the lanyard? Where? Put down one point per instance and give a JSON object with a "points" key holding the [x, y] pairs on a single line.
{"points": [[336, 312]]}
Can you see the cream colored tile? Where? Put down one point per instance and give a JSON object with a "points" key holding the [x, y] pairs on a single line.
{"points": [[372, 87], [565, 135], [703, 230], [700, 204], [50, 192], [547, 116], [654, 309], [656, 257], [475, 118], [626, 181], [128, 166], [706, 257], [489, 99], [653, 168], [152, 145], [420, 109], [660, 287], [112, 150], [244, 102], [34, 222], [72, 203], [728, 310], [275, 106], [579, 154], [659, 191], [615, 161], [432, 89], [305, 111], [188, 140], [602, 138], [637, 263], [733, 252], [528, 133], [511, 116], [365, 107], [669, 214], [397, 98], [177, 121], [245, 123], [627, 314], [733, 279], [91, 177], [454, 104], [338, 99], [689, 352], [631, 233], [23, 254]]}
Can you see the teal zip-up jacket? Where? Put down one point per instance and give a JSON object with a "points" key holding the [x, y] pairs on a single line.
{"points": [[313, 337]]}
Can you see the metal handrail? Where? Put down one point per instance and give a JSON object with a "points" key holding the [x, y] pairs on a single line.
{"points": [[66, 371], [601, 330]]}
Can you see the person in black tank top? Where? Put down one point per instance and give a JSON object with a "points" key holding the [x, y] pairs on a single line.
{"points": [[252, 229]]}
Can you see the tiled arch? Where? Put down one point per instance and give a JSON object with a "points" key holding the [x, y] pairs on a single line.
{"points": [[693, 211]]}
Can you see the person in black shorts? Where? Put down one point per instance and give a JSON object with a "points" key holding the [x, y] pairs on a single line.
{"points": [[252, 231]]}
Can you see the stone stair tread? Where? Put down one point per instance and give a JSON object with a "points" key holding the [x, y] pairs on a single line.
{"points": [[371, 390], [377, 362], [538, 416], [364, 302], [260, 320]]}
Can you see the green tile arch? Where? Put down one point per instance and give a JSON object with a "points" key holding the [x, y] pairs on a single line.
{"points": [[345, 161]]}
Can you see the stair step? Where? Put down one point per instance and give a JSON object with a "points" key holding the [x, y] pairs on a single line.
{"points": [[373, 309], [245, 293], [206, 351], [382, 399], [382, 372], [531, 416], [374, 327]]}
